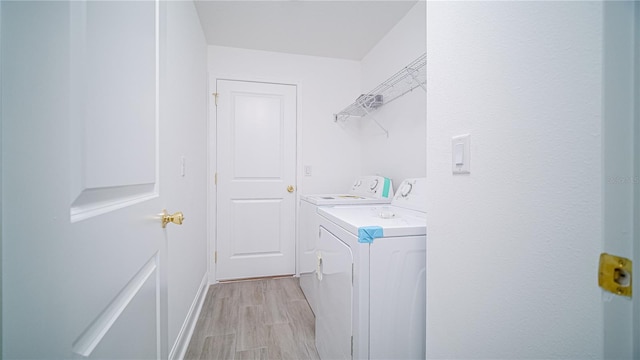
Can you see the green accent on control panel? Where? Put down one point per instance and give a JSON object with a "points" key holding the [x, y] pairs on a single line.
{"points": [[385, 189]]}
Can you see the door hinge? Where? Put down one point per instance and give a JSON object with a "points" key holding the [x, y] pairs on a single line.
{"points": [[352, 346], [215, 179], [215, 96], [215, 257], [352, 272]]}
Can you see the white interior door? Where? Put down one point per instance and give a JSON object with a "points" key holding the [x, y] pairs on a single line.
{"points": [[84, 252], [256, 157]]}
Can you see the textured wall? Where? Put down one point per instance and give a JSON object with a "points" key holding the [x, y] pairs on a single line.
{"points": [[513, 247]]}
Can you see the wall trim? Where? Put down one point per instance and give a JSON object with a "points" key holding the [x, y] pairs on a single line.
{"points": [[184, 336]]}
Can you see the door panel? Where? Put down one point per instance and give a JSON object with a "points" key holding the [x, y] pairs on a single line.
{"points": [[117, 71], [256, 163], [109, 337], [84, 250], [257, 136], [335, 298], [265, 237], [113, 87]]}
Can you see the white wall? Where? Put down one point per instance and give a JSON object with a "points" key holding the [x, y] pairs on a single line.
{"points": [[513, 247], [325, 86], [184, 103], [618, 165], [403, 154]]}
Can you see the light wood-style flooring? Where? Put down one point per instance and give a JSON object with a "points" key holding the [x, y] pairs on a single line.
{"points": [[257, 319]]}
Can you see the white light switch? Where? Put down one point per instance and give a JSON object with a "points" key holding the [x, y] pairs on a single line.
{"points": [[460, 151], [307, 170]]}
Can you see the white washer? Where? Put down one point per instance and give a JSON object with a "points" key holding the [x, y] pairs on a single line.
{"points": [[372, 270], [365, 190]]}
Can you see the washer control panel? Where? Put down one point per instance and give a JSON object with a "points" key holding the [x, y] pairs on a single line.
{"points": [[378, 187], [412, 194]]}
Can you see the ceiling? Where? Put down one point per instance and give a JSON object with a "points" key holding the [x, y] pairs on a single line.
{"points": [[337, 29]]}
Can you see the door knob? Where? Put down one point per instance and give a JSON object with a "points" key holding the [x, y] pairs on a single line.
{"points": [[176, 218], [290, 188]]}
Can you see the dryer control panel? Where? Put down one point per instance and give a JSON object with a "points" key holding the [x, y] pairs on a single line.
{"points": [[412, 194], [378, 187]]}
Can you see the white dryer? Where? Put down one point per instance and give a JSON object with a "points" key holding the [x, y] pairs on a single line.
{"points": [[372, 268], [365, 190]]}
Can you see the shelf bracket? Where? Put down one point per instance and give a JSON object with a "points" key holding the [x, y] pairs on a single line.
{"points": [[412, 73], [380, 126], [376, 121]]}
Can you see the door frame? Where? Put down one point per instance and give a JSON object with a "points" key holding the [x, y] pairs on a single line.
{"points": [[1, 191], [635, 330], [212, 151]]}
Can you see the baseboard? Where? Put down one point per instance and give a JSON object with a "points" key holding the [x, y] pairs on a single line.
{"points": [[184, 336]]}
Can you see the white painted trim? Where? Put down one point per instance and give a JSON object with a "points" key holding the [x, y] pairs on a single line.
{"points": [[184, 336], [94, 202], [93, 335], [636, 187], [1, 187], [212, 122]]}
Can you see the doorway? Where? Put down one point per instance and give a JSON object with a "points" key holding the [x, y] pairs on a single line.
{"points": [[255, 179]]}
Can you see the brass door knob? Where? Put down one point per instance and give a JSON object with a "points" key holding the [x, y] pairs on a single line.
{"points": [[290, 188], [176, 218]]}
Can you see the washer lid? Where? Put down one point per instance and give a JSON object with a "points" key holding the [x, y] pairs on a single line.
{"points": [[342, 199], [393, 220]]}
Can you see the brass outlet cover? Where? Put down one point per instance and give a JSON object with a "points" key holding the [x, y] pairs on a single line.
{"points": [[614, 274]]}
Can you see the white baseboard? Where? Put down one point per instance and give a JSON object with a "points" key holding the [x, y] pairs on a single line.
{"points": [[184, 336]]}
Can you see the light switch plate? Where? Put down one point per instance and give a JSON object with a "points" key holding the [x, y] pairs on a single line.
{"points": [[307, 170], [460, 154]]}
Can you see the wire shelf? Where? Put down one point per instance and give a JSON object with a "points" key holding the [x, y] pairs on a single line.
{"points": [[410, 77]]}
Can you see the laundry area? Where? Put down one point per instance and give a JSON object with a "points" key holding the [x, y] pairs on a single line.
{"points": [[311, 179], [292, 141]]}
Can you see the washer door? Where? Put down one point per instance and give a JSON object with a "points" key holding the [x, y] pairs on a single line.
{"points": [[335, 297]]}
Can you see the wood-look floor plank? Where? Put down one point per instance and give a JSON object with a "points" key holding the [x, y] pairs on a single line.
{"points": [[252, 332], [312, 352], [275, 309], [258, 319], [227, 290], [219, 348], [292, 289], [302, 321], [254, 354], [223, 318], [282, 341], [251, 292]]}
